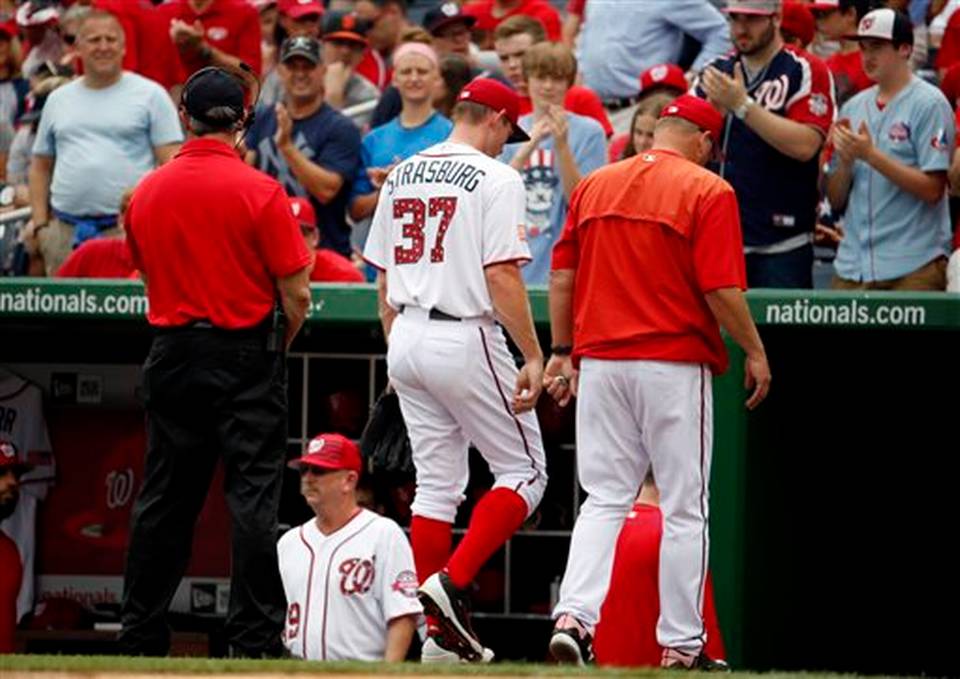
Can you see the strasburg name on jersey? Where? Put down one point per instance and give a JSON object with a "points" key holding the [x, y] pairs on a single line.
{"points": [[443, 216], [464, 175]]}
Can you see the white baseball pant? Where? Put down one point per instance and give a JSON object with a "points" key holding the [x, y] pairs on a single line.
{"points": [[455, 380], [630, 415]]}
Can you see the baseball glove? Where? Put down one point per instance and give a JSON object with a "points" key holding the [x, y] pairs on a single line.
{"points": [[384, 442]]}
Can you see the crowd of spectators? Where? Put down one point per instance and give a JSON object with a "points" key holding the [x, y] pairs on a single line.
{"points": [[840, 146]]}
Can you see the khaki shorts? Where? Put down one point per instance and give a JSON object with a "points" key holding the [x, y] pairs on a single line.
{"points": [[55, 242], [929, 277]]}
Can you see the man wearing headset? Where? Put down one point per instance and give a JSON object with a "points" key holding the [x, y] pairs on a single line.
{"points": [[226, 272]]}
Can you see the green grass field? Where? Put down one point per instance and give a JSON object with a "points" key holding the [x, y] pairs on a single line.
{"points": [[125, 665]]}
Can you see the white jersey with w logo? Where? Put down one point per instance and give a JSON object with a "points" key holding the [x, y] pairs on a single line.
{"points": [[343, 588], [443, 216]]}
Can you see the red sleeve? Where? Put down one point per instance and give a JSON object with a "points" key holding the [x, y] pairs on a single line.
{"points": [[950, 84], [281, 242], [812, 103], [248, 48], [584, 101], [717, 244], [949, 53], [566, 251], [576, 7]]}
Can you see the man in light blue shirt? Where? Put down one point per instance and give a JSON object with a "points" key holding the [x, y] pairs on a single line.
{"points": [[97, 136], [623, 38], [563, 148], [893, 145]]}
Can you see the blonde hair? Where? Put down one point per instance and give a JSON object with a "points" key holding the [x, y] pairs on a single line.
{"points": [[550, 59], [416, 34]]}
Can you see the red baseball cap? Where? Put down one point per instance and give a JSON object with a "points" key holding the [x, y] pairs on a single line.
{"points": [[698, 111], [297, 9], [798, 20], [493, 94], [9, 28], [330, 451], [663, 75], [303, 211]]}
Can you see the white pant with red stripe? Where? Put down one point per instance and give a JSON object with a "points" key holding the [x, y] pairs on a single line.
{"points": [[631, 415], [455, 380]]}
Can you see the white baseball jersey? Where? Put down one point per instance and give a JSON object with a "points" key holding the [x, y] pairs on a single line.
{"points": [[22, 423], [342, 589], [443, 215]]}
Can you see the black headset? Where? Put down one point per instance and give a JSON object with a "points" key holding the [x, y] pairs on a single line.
{"points": [[247, 116]]}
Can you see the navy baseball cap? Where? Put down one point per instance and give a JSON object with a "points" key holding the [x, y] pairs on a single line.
{"points": [[10, 458], [211, 88], [446, 14]]}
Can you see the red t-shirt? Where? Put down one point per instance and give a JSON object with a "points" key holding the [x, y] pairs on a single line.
{"points": [[212, 235], [156, 56], [231, 26], [374, 68], [332, 267], [848, 74], [11, 572], [580, 100], [626, 635], [98, 258], [648, 238], [483, 12]]}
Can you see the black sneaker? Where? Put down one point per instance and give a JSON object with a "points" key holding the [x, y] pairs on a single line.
{"points": [[451, 610], [571, 642], [674, 659]]}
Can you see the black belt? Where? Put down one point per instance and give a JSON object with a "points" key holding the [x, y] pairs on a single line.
{"points": [[437, 315], [205, 324], [617, 104]]}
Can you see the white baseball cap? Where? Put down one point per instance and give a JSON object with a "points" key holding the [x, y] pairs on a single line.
{"points": [[885, 24]]}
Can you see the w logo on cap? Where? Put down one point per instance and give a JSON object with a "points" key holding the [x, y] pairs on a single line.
{"points": [[316, 445], [867, 23]]}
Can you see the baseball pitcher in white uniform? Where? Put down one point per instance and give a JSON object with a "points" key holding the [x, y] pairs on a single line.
{"points": [[348, 573], [448, 239]]}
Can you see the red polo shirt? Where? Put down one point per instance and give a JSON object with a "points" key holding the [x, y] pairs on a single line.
{"points": [[648, 238], [483, 12], [580, 100], [212, 235], [231, 26]]}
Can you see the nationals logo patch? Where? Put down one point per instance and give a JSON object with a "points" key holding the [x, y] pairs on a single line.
{"points": [[356, 576], [406, 583]]}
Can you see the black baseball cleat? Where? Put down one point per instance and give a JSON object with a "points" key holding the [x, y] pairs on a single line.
{"points": [[674, 659], [451, 610], [571, 642]]}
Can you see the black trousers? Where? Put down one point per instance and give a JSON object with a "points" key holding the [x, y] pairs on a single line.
{"points": [[209, 394]]}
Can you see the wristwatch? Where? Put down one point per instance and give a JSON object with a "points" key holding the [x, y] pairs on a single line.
{"points": [[741, 111], [561, 350]]}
